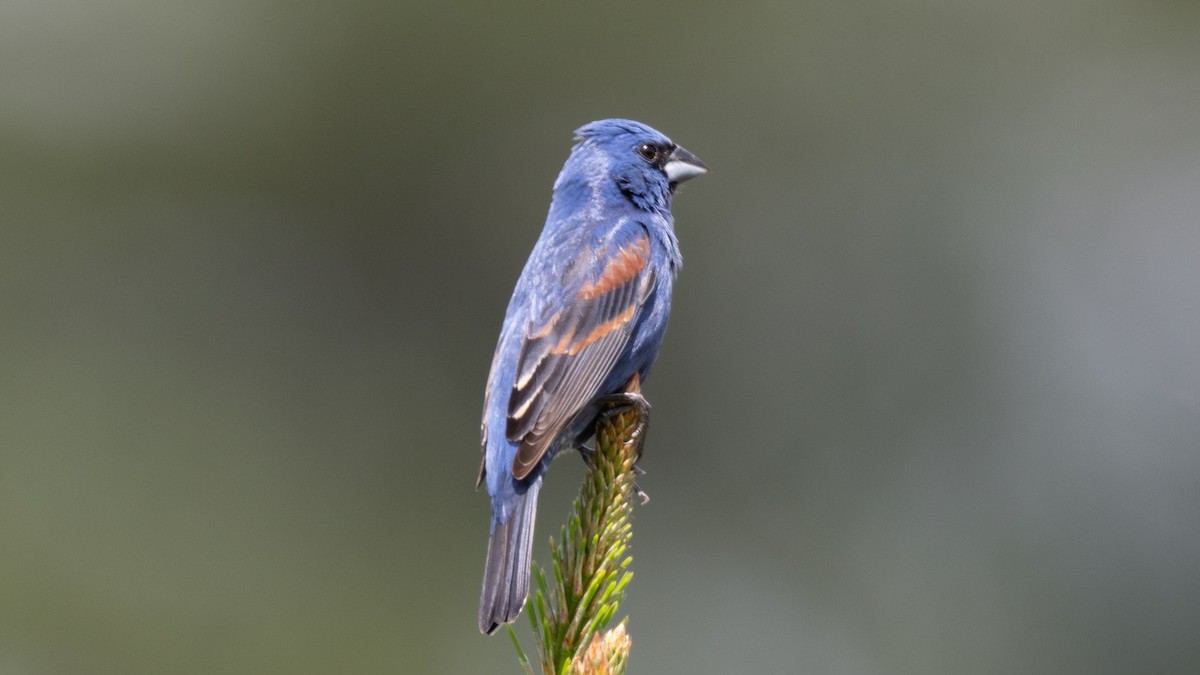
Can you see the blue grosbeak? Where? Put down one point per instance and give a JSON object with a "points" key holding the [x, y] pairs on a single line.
{"points": [[585, 323]]}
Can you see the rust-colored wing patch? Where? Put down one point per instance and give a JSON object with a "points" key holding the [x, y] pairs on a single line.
{"points": [[597, 333], [629, 262]]}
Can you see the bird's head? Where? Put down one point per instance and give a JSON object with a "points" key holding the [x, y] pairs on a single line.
{"points": [[628, 157]]}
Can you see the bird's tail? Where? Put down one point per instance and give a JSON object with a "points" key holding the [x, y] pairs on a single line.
{"points": [[506, 574]]}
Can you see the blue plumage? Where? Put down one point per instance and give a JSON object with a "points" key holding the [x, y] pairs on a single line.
{"points": [[587, 315]]}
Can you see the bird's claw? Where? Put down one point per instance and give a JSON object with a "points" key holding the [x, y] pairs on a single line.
{"points": [[637, 490], [588, 454], [615, 404]]}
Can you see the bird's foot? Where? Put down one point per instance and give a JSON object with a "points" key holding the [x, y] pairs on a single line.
{"points": [[616, 404], [642, 495], [588, 454]]}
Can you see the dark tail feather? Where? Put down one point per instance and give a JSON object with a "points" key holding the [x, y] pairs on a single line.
{"points": [[506, 575]]}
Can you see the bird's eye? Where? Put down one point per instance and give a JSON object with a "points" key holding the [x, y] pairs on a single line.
{"points": [[648, 151]]}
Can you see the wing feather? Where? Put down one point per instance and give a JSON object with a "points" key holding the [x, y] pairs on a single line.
{"points": [[566, 359]]}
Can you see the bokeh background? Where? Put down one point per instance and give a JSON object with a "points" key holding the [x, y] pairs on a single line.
{"points": [[929, 403]]}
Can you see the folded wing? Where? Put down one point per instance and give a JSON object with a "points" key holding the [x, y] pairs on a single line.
{"points": [[566, 357]]}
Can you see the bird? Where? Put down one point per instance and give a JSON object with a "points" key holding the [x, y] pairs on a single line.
{"points": [[582, 329]]}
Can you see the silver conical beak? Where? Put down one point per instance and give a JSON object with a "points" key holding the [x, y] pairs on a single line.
{"points": [[682, 165]]}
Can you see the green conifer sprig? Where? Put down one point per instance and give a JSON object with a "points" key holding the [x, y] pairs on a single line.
{"points": [[591, 562]]}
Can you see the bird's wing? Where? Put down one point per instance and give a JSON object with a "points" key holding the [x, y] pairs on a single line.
{"points": [[566, 356]]}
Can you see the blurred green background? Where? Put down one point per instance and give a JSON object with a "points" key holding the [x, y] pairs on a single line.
{"points": [[929, 403]]}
